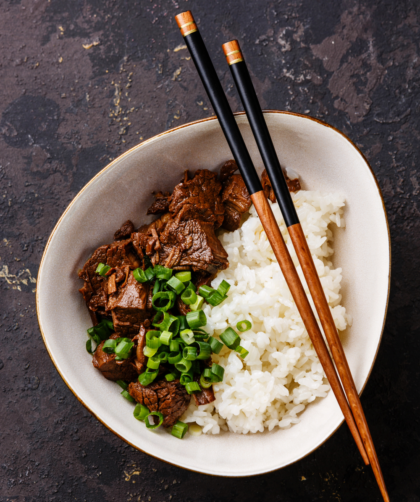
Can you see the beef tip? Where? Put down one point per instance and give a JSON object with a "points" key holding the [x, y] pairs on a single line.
{"points": [[232, 219], [202, 279], [161, 203], [124, 231], [192, 243], [199, 198], [169, 398], [129, 307], [227, 170], [146, 239], [112, 369], [235, 194], [93, 288], [121, 254], [206, 396], [140, 360], [292, 185]]}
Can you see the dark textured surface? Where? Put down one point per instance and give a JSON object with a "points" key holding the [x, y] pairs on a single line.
{"points": [[67, 110]]}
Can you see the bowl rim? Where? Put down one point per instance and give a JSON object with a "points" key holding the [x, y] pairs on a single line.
{"points": [[188, 124]]}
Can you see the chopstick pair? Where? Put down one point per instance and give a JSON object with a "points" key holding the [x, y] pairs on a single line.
{"points": [[356, 421]]}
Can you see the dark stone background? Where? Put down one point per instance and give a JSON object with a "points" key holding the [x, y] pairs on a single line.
{"points": [[68, 109]]}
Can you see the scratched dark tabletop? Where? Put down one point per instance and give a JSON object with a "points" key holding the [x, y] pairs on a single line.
{"points": [[82, 81]]}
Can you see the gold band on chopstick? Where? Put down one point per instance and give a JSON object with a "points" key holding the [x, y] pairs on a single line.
{"points": [[232, 52], [186, 23]]}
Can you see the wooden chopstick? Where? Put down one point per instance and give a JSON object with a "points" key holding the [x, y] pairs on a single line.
{"points": [[236, 143], [262, 136]]}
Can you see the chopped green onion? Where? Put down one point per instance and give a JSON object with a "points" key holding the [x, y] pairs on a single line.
{"points": [[206, 384], [191, 387], [223, 288], [179, 429], [208, 375], [186, 377], [156, 287], [153, 343], [205, 350], [163, 295], [217, 372], [184, 276], [122, 384], [140, 412], [123, 349], [174, 357], [191, 285], [162, 356], [149, 352], [243, 326], [158, 414], [176, 285], [102, 269], [230, 338], [139, 275], [149, 273], [215, 345], [174, 346], [109, 324], [103, 330], [89, 346], [195, 366], [170, 377], [169, 323], [125, 394], [215, 299], [182, 322], [242, 352], [147, 377], [205, 291], [153, 362], [187, 336], [189, 296], [198, 303], [196, 319], [190, 353], [162, 272], [166, 337], [183, 365], [109, 346]]}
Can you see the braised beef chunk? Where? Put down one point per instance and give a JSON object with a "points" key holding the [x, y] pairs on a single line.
{"points": [[199, 198], [129, 307], [201, 278], [170, 398], [124, 231], [206, 396], [236, 200], [232, 219], [161, 203], [227, 170], [112, 369], [93, 287], [292, 185], [192, 243]]}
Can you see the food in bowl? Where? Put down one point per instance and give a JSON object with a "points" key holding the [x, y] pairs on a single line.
{"points": [[165, 300]]}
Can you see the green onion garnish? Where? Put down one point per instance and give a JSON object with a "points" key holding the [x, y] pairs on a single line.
{"points": [[189, 296], [190, 353], [205, 383], [147, 377], [109, 346], [243, 326], [102, 331], [153, 342], [122, 384], [192, 286], [149, 273], [191, 387], [162, 272], [156, 287], [139, 275], [125, 394], [215, 345], [217, 372], [174, 346], [151, 425], [230, 338], [170, 298], [205, 350], [182, 322], [183, 365], [196, 319], [170, 377], [162, 356], [153, 362], [140, 412], [186, 377], [149, 352], [174, 357], [223, 288], [102, 269], [176, 285], [166, 337], [242, 352], [187, 336], [198, 303], [184, 276], [168, 323], [215, 298], [205, 291], [122, 350], [207, 374], [89, 346], [179, 429], [195, 366]]}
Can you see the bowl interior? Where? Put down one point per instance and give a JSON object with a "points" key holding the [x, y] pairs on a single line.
{"points": [[326, 161]]}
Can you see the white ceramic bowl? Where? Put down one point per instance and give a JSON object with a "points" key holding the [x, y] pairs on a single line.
{"points": [[325, 160]]}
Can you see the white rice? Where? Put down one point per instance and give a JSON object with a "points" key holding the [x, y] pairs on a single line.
{"points": [[282, 373]]}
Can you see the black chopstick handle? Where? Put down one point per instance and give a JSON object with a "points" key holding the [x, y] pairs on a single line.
{"points": [[262, 136], [220, 103]]}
